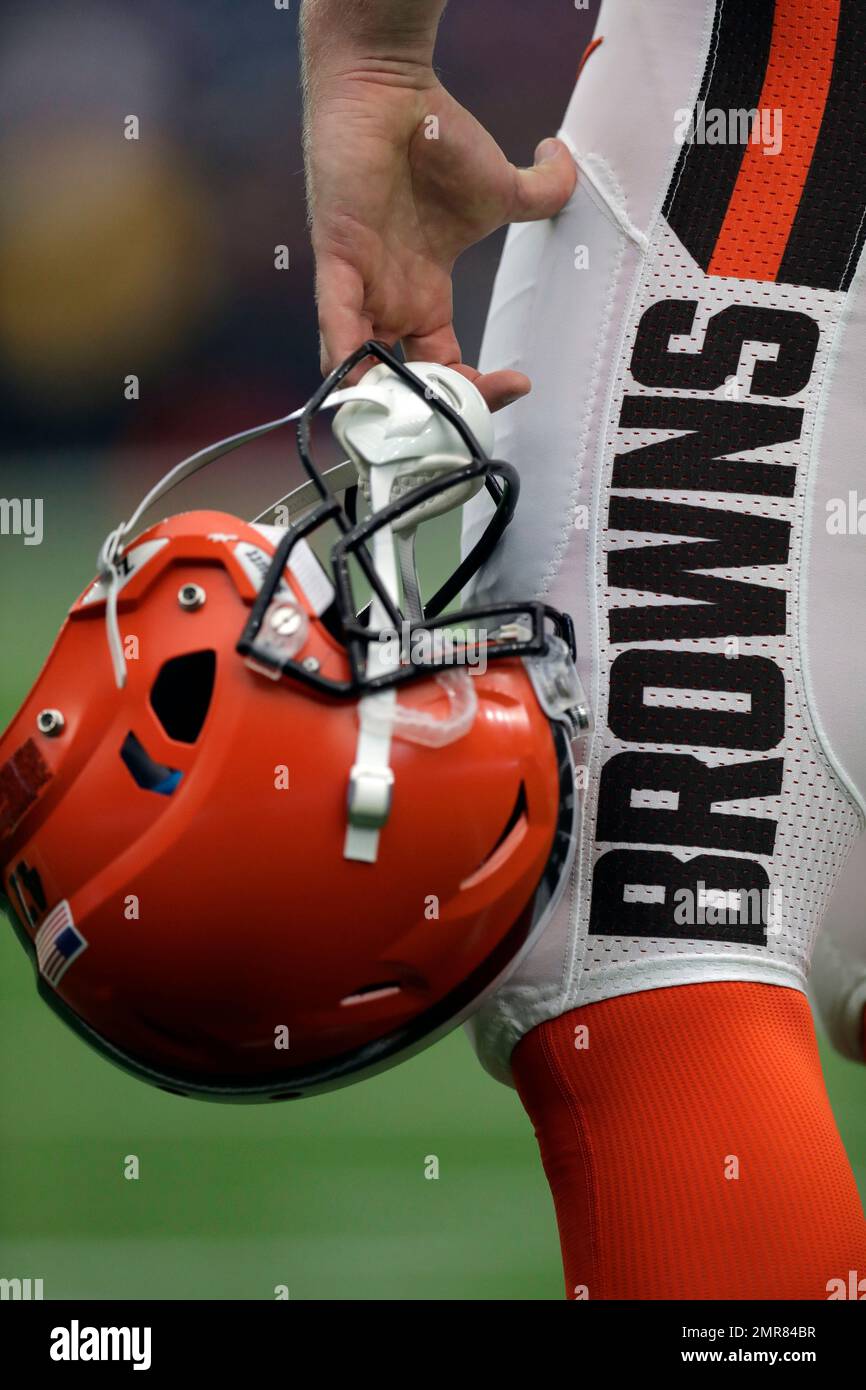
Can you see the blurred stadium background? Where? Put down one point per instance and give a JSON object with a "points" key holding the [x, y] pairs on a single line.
{"points": [[155, 257]]}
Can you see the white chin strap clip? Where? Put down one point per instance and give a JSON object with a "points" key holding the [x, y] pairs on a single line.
{"points": [[398, 441], [369, 800]]}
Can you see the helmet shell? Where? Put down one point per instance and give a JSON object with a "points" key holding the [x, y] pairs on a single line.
{"points": [[174, 856]]}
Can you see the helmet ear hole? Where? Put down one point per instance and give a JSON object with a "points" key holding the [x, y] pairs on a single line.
{"points": [[181, 694]]}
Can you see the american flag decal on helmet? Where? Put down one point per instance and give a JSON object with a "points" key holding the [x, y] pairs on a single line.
{"points": [[58, 943]]}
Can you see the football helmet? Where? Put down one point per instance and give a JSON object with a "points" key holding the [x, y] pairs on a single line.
{"points": [[269, 820]]}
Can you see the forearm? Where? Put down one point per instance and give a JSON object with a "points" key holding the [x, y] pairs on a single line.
{"points": [[351, 34]]}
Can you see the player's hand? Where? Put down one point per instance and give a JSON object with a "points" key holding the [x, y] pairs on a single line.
{"points": [[401, 179]]}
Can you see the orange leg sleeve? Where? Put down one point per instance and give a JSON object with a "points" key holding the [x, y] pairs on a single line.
{"points": [[690, 1146]]}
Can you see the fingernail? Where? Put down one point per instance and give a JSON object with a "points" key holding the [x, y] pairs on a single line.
{"points": [[548, 149]]}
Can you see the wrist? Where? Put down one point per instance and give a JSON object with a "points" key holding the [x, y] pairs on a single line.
{"points": [[382, 38]]}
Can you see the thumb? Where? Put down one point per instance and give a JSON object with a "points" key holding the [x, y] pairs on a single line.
{"points": [[544, 189]]}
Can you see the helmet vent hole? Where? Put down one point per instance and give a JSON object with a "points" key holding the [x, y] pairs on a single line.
{"points": [[181, 694], [518, 813], [367, 994], [146, 772]]}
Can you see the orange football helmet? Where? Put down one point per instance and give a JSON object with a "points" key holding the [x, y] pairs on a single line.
{"points": [[261, 838]]}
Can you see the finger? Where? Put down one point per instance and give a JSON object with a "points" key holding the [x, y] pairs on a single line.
{"points": [[343, 325], [543, 190], [498, 388], [440, 346]]}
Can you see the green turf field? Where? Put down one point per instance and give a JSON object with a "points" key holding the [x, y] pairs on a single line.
{"points": [[326, 1196]]}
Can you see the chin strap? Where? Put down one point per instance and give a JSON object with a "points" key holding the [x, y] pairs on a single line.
{"points": [[371, 780], [110, 558], [412, 601], [344, 475], [111, 554], [381, 717], [112, 628]]}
